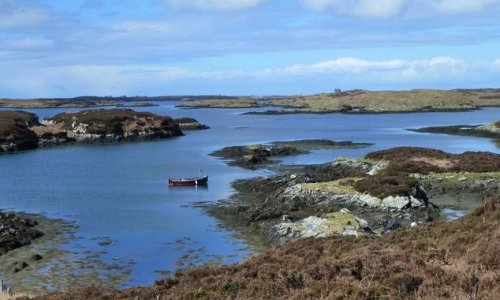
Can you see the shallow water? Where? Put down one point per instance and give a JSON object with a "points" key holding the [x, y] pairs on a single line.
{"points": [[119, 192]]}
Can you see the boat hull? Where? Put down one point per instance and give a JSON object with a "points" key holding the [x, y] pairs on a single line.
{"points": [[188, 181]]}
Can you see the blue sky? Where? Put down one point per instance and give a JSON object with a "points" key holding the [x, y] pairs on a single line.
{"points": [[65, 48]]}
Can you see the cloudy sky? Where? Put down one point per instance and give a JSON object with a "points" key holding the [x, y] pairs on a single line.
{"points": [[65, 48]]}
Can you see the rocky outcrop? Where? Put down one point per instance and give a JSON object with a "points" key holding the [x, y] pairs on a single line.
{"points": [[342, 223], [301, 196], [254, 156], [190, 124], [16, 231], [15, 133], [22, 131], [108, 126], [259, 155]]}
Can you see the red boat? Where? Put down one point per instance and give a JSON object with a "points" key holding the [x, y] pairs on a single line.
{"points": [[202, 180]]}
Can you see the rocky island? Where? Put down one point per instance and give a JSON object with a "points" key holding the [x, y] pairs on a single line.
{"points": [[23, 131], [486, 130], [258, 155]]}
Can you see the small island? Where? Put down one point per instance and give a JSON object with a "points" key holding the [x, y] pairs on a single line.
{"points": [[22, 131], [487, 130], [259, 155]]}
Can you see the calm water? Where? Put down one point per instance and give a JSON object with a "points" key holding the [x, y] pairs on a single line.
{"points": [[119, 191]]}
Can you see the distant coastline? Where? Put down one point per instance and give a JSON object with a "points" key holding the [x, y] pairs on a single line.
{"points": [[362, 102], [353, 101]]}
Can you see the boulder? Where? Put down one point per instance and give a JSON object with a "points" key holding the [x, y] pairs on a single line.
{"points": [[336, 223]]}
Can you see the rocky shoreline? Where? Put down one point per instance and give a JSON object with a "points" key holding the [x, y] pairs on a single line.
{"points": [[16, 231], [400, 187], [262, 155], [485, 130], [436, 260], [22, 131]]}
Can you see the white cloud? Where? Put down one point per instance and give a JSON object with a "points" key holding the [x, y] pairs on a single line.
{"points": [[26, 43], [216, 4], [396, 67], [462, 6], [360, 8], [134, 79], [392, 8]]}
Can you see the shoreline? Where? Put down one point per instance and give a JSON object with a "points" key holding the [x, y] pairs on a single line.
{"points": [[48, 263], [480, 131], [33, 257], [260, 205]]}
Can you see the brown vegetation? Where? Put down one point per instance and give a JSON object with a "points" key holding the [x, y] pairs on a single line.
{"points": [[112, 121], [383, 185], [497, 124], [14, 129], [394, 180], [458, 260], [21, 131], [424, 161], [185, 120]]}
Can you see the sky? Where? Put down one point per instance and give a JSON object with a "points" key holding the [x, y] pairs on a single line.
{"points": [[67, 48]]}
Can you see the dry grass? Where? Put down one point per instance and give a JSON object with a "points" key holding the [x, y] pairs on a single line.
{"points": [[424, 161], [403, 161], [383, 185], [338, 187], [10, 119], [458, 260]]}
